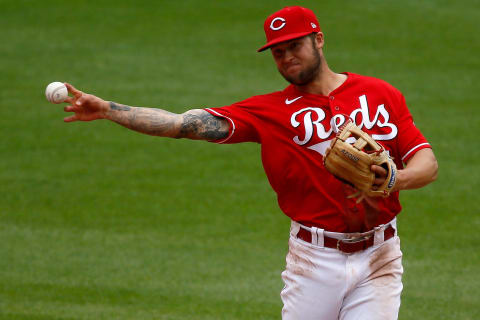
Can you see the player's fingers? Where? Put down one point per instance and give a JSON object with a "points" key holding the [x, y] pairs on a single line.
{"points": [[71, 109], [71, 118], [378, 181], [70, 100], [380, 175], [379, 171], [76, 93]]}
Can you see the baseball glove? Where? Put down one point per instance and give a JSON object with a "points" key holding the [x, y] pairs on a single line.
{"points": [[352, 163]]}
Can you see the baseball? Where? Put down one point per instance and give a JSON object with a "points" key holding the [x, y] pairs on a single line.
{"points": [[56, 92]]}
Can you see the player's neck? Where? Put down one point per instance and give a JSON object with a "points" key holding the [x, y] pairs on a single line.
{"points": [[325, 82]]}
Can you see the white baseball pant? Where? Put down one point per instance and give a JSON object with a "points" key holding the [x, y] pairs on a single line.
{"points": [[326, 284]]}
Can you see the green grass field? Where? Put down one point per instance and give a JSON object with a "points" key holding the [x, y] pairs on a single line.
{"points": [[97, 222]]}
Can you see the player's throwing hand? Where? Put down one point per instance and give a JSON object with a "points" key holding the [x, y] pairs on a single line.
{"points": [[86, 107]]}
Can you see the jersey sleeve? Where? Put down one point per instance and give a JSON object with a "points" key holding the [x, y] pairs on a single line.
{"points": [[410, 139], [243, 124]]}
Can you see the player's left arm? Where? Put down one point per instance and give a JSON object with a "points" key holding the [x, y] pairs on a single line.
{"points": [[420, 170]]}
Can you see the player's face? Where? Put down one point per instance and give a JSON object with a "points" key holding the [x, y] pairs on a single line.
{"points": [[298, 60]]}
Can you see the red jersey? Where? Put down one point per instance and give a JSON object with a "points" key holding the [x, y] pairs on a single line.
{"points": [[294, 129]]}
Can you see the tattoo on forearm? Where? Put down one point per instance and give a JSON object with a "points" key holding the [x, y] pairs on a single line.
{"points": [[203, 126], [150, 121], [119, 107], [194, 124]]}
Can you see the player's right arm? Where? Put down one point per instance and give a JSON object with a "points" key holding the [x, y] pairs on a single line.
{"points": [[194, 124]]}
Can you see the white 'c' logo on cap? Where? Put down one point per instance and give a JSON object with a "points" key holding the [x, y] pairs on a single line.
{"points": [[282, 24]]}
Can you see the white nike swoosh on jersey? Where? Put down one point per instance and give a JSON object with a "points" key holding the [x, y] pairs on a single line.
{"points": [[287, 101]]}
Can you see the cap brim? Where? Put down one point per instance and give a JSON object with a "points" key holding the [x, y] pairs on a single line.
{"points": [[287, 37]]}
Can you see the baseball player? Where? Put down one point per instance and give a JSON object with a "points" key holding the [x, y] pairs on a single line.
{"points": [[344, 259]]}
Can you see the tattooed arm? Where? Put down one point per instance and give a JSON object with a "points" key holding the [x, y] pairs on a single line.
{"points": [[194, 124]]}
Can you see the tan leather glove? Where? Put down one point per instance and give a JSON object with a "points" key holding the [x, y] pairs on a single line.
{"points": [[352, 163]]}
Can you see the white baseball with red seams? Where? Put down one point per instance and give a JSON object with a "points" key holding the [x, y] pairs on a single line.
{"points": [[56, 92]]}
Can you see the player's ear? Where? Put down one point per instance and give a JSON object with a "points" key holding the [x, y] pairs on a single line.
{"points": [[319, 40]]}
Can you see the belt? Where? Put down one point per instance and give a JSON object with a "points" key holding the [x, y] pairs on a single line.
{"points": [[347, 245]]}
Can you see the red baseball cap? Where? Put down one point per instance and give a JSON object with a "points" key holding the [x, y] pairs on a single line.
{"points": [[289, 23]]}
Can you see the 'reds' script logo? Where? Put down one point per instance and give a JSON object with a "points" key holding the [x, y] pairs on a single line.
{"points": [[305, 116]]}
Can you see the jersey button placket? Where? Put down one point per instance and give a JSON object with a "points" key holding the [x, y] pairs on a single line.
{"points": [[330, 103]]}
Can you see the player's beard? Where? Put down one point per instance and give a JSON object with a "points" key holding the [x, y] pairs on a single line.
{"points": [[308, 74]]}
